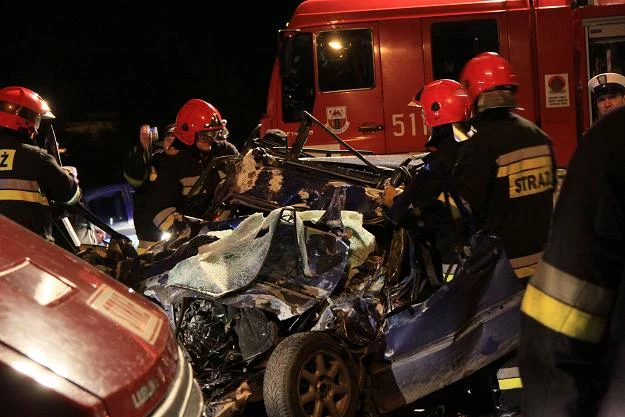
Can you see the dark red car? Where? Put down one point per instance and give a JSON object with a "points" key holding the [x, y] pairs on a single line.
{"points": [[74, 342]]}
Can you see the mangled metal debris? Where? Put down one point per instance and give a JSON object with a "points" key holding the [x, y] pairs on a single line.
{"points": [[318, 271]]}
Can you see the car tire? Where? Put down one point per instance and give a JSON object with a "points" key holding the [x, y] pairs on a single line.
{"points": [[310, 374]]}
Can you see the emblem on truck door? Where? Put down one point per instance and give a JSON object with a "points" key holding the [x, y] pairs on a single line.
{"points": [[337, 119]]}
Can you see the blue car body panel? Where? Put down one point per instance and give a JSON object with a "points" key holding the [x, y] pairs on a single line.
{"points": [[459, 329]]}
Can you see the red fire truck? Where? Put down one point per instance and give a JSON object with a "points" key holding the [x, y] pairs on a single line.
{"points": [[355, 64]]}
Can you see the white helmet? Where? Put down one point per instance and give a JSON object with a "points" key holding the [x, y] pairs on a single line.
{"points": [[608, 82]]}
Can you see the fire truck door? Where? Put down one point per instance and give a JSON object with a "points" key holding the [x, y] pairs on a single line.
{"points": [[349, 87], [605, 52], [402, 77]]}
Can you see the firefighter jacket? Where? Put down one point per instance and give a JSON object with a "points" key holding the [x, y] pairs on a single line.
{"points": [[161, 194], [572, 348], [29, 179], [163, 182], [137, 165], [428, 192], [505, 177], [200, 198], [140, 171]]}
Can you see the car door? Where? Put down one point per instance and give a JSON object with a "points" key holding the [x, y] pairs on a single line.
{"points": [[463, 326]]}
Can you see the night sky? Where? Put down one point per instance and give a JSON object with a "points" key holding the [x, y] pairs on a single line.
{"points": [[129, 65]]}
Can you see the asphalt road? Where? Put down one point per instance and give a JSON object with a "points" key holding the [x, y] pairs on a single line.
{"points": [[257, 410]]}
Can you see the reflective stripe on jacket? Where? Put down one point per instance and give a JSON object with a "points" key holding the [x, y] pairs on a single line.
{"points": [[29, 179], [157, 201], [21, 190], [505, 176], [573, 338], [568, 305]]}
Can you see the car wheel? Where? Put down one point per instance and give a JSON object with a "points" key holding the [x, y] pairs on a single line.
{"points": [[310, 374]]}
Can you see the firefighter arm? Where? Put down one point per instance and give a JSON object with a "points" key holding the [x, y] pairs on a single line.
{"points": [[56, 183], [565, 330], [136, 166], [223, 148], [472, 175], [424, 187], [557, 372], [165, 218]]}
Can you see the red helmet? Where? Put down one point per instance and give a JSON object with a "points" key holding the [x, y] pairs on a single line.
{"points": [[21, 108], [443, 101], [486, 71], [197, 116]]}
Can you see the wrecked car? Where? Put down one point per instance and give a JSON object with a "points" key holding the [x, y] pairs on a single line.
{"points": [[299, 294], [74, 342], [311, 310]]}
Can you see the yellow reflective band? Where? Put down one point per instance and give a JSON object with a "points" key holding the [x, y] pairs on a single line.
{"points": [[167, 223], [529, 260], [164, 219], [153, 174], [75, 197], [133, 181], [507, 373], [524, 272], [442, 197], [189, 181], [144, 246], [162, 215], [510, 383], [525, 266], [16, 184], [561, 317], [6, 159], [525, 153], [459, 134], [571, 290], [533, 181], [524, 165], [29, 196]]}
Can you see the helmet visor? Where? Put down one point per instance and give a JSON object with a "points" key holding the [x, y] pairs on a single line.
{"points": [[22, 112], [208, 135]]}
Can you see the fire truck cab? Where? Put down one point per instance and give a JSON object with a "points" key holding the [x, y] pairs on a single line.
{"points": [[355, 65]]}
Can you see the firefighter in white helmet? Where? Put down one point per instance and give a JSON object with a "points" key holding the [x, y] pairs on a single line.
{"points": [[608, 90]]}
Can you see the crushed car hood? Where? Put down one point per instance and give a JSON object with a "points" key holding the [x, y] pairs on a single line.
{"points": [[275, 263], [60, 312]]}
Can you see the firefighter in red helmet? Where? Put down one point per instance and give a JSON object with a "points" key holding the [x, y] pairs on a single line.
{"points": [[505, 178], [198, 116], [29, 177], [164, 179], [505, 174], [445, 108]]}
